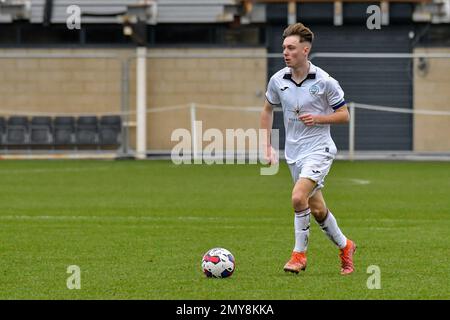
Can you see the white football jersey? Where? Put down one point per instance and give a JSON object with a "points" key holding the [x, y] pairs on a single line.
{"points": [[318, 94]]}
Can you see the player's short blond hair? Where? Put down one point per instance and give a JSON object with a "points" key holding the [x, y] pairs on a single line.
{"points": [[298, 29]]}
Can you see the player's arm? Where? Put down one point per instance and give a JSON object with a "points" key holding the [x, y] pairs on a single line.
{"points": [[340, 115], [266, 121]]}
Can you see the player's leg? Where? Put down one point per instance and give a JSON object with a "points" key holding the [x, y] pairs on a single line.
{"points": [[300, 193], [329, 226], [326, 220]]}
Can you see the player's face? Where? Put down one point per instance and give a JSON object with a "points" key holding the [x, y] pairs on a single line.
{"points": [[295, 53]]}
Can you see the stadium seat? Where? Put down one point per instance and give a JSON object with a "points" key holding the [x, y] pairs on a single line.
{"points": [[110, 130], [64, 130], [41, 131], [87, 130], [17, 130], [2, 129]]}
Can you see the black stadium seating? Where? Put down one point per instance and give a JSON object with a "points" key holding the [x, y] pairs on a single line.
{"points": [[41, 131], [109, 130], [17, 130], [2, 129], [62, 132], [87, 130]]}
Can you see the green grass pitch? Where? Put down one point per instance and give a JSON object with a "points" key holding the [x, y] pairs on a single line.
{"points": [[138, 230]]}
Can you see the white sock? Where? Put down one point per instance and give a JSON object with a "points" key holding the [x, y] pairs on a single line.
{"points": [[301, 227], [330, 228]]}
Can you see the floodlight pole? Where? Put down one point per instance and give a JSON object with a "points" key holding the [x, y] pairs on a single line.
{"points": [[141, 103]]}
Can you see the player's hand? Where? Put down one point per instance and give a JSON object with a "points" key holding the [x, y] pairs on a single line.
{"points": [[308, 119], [271, 156]]}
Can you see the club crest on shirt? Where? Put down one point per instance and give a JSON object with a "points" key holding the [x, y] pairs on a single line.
{"points": [[314, 89]]}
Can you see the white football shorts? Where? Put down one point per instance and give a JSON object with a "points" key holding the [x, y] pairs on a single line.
{"points": [[314, 166]]}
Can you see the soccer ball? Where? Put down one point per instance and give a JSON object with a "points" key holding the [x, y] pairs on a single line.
{"points": [[218, 263]]}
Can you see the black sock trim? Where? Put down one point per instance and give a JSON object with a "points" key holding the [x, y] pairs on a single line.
{"points": [[299, 213], [301, 210]]}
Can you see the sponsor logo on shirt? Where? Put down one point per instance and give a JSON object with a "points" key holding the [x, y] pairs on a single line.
{"points": [[296, 111]]}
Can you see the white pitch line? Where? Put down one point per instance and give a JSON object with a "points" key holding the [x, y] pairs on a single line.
{"points": [[192, 218], [126, 218], [359, 181], [353, 181], [50, 170]]}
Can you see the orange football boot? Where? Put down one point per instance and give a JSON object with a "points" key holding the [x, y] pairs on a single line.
{"points": [[346, 256], [296, 263]]}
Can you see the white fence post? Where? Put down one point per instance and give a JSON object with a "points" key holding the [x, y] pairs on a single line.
{"points": [[194, 150], [141, 103], [351, 132]]}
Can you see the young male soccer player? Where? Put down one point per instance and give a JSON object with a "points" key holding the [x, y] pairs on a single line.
{"points": [[311, 100]]}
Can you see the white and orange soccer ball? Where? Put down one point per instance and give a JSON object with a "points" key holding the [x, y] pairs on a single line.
{"points": [[218, 263]]}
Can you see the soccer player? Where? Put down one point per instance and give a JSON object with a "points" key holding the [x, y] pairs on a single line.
{"points": [[311, 101]]}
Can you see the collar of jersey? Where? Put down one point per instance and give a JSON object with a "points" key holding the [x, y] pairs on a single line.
{"points": [[311, 75]]}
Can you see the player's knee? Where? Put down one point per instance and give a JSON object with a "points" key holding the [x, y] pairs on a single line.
{"points": [[299, 202]]}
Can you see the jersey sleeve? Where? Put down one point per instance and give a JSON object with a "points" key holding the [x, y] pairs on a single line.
{"points": [[272, 92], [335, 94]]}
